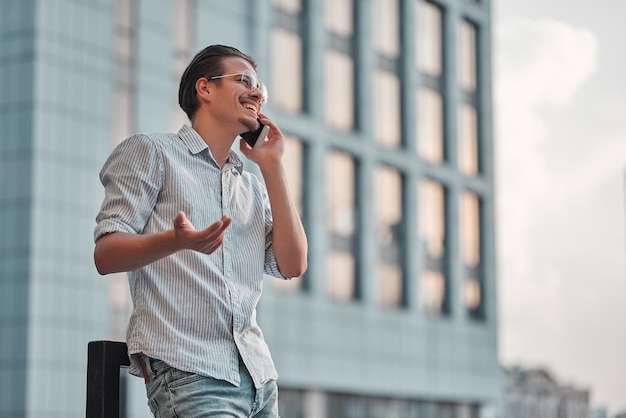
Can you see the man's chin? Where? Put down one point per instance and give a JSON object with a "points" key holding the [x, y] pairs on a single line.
{"points": [[251, 125]]}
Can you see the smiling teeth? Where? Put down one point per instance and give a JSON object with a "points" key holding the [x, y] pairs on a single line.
{"points": [[249, 106]]}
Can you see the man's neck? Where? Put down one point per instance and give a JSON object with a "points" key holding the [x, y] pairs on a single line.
{"points": [[219, 142]]}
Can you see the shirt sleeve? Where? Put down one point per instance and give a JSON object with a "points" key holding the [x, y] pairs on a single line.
{"points": [[132, 178]]}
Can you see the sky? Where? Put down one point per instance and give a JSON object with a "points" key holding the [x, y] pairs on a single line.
{"points": [[560, 161]]}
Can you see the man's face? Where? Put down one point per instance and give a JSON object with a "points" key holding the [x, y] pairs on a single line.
{"points": [[233, 100]]}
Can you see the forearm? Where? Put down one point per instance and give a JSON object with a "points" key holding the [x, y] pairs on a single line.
{"points": [[288, 240], [120, 251]]}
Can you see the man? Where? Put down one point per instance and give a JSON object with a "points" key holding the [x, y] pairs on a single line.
{"points": [[196, 233]]}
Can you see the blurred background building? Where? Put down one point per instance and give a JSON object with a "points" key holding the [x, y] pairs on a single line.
{"points": [[536, 393], [387, 109]]}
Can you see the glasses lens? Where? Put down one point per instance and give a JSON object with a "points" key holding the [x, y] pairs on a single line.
{"points": [[263, 90], [250, 81]]}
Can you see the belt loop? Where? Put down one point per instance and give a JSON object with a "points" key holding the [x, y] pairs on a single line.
{"points": [[146, 368]]}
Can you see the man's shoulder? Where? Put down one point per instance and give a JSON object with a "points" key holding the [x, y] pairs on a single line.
{"points": [[150, 140]]}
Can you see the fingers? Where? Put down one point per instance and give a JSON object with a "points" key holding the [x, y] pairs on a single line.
{"points": [[181, 221], [205, 241], [213, 237]]}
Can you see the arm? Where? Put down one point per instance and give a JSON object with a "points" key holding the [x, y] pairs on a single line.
{"points": [[120, 251], [288, 239]]}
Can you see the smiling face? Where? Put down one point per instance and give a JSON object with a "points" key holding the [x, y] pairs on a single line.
{"points": [[232, 101]]}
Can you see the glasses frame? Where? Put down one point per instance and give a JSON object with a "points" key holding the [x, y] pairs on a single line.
{"points": [[250, 82]]}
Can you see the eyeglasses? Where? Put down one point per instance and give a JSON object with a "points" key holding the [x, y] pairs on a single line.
{"points": [[249, 81]]}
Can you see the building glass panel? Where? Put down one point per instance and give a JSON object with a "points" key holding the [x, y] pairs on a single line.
{"points": [[386, 27], [339, 90], [428, 43], [433, 287], [468, 140], [290, 6], [467, 56], [339, 17], [470, 234], [429, 121], [286, 58], [388, 212], [386, 109], [286, 92], [341, 224]]}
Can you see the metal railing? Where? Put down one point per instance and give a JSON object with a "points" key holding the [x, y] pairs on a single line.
{"points": [[104, 359]]}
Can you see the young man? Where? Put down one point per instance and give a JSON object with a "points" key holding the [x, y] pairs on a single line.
{"points": [[196, 233]]}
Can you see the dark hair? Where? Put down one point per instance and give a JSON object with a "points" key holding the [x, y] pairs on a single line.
{"points": [[207, 63]]}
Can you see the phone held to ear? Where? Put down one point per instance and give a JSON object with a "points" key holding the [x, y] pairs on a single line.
{"points": [[256, 138]]}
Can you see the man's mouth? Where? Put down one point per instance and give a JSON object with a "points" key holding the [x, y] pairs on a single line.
{"points": [[250, 106]]}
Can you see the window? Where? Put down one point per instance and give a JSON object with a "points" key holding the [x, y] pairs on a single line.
{"points": [[468, 135], [341, 223], [429, 53], [287, 56], [468, 140], [386, 27], [339, 77], [430, 145], [339, 17], [467, 56], [433, 292], [339, 90], [386, 109], [290, 6], [293, 161], [286, 92], [388, 214], [470, 229]]}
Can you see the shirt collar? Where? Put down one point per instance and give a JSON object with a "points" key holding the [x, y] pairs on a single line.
{"points": [[196, 145]]}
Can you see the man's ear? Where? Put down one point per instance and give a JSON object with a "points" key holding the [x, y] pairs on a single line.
{"points": [[203, 89]]}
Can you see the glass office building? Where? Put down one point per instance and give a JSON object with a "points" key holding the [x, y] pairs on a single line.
{"points": [[386, 105]]}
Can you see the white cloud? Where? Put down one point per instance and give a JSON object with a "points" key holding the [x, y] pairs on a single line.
{"points": [[560, 162], [539, 65], [542, 62]]}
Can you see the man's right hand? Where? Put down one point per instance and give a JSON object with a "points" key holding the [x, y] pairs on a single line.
{"points": [[206, 241], [121, 251]]}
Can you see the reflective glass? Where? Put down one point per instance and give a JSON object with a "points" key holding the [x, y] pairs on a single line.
{"points": [[471, 252], [340, 209], [428, 34], [429, 122], [432, 231], [388, 206], [386, 27], [339, 90], [290, 6], [286, 70], [339, 17], [467, 139], [467, 56], [386, 109]]}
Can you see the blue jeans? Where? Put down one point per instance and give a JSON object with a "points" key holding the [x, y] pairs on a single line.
{"points": [[173, 393]]}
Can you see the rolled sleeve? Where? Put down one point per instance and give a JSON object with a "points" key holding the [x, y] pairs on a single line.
{"points": [[132, 178]]}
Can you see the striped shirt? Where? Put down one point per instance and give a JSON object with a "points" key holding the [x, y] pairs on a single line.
{"points": [[196, 312]]}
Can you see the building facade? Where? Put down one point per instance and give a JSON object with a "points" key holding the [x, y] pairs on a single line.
{"points": [[387, 109], [534, 393]]}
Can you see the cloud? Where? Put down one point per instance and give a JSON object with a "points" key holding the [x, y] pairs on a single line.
{"points": [[540, 65], [560, 161], [543, 62]]}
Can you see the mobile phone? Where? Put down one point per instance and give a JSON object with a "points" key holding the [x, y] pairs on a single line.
{"points": [[257, 137]]}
